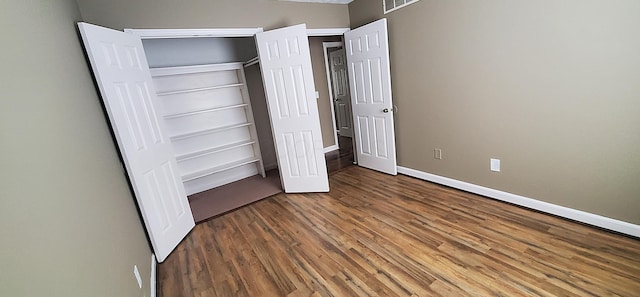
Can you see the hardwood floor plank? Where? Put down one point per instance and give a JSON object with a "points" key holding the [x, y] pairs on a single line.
{"points": [[381, 235], [265, 251]]}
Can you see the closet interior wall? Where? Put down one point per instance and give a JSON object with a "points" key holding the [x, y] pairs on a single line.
{"points": [[219, 131]]}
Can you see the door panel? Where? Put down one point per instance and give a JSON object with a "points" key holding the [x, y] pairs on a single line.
{"points": [[123, 77], [367, 53], [285, 63], [340, 83]]}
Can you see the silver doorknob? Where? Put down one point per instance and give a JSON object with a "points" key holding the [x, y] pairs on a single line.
{"points": [[386, 110]]}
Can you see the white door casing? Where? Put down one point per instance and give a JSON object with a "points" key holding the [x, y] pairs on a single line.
{"points": [[367, 49], [340, 88], [122, 74], [285, 63]]}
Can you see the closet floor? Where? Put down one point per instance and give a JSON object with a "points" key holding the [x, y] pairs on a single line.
{"points": [[210, 203]]}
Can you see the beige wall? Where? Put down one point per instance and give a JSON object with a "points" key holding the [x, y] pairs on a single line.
{"points": [[320, 81], [258, 98], [549, 87], [69, 225], [155, 14]]}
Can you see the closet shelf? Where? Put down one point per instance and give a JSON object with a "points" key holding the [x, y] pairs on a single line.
{"points": [[171, 116], [223, 90], [217, 169], [199, 89], [177, 70], [208, 131], [214, 150]]}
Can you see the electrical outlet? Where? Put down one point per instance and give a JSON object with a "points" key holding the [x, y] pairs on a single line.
{"points": [[495, 165], [137, 274], [437, 154]]}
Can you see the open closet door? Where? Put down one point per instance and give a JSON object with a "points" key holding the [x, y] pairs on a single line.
{"points": [[285, 63], [370, 83], [123, 77]]}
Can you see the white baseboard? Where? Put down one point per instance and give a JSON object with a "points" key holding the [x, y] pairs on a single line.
{"points": [[562, 211], [331, 148], [152, 279]]}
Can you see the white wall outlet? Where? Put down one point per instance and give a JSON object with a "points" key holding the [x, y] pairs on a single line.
{"points": [[495, 165], [137, 274], [317, 95], [437, 154]]}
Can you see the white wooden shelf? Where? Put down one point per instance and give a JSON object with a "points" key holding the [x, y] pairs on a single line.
{"points": [[218, 169], [199, 89], [172, 116], [208, 131], [214, 150], [168, 71], [205, 159]]}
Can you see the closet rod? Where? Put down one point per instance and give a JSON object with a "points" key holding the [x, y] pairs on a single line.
{"points": [[251, 62]]}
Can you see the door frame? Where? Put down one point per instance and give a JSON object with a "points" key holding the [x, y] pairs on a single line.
{"points": [[193, 33], [221, 32], [325, 51]]}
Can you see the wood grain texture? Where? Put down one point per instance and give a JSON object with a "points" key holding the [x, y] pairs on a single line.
{"points": [[342, 158], [381, 235]]}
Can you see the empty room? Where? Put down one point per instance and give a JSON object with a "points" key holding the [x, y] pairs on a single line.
{"points": [[320, 148]]}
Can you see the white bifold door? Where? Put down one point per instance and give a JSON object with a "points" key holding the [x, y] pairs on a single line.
{"points": [[367, 49], [122, 73], [285, 63]]}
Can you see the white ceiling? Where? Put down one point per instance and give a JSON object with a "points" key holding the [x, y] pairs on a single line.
{"points": [[322, 1]]}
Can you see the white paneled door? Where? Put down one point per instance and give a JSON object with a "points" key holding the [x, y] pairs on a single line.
{"points": [[123, 77], [367, 49], [285, 63], [340, 80]]}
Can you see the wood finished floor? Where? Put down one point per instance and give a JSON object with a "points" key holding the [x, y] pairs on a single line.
{"points": [[342, 158], [380, 235]]}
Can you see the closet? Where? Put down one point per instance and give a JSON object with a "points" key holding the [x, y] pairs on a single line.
{"points": [[208, 115], [204, 101]]}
